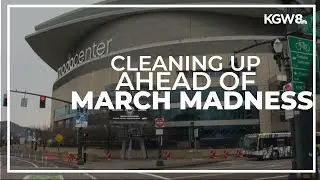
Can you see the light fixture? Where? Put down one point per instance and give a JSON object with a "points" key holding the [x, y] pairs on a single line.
{"points": [[277, 46]]}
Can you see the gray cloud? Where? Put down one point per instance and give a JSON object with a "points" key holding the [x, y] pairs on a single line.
{"points": [[28, 71]]}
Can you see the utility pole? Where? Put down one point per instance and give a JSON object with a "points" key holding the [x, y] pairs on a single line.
{"points": [[85, 147], [302, 122], [80, 132], [80, 145], [159, 132]]}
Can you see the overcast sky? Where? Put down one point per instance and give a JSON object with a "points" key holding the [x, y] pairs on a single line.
{"points": [[28, 71]]}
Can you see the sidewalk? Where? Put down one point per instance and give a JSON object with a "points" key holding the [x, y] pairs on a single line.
{"points": [[145, 164]]}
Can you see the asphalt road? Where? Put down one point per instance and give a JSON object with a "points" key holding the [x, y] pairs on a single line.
{"points": [[26, 163]]}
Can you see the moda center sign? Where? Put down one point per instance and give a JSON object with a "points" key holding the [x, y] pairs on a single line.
{"points": [[89, 53]]}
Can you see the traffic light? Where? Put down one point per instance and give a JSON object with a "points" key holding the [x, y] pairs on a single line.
{"points": [[5, 100], [287, 69], [42, 101]]}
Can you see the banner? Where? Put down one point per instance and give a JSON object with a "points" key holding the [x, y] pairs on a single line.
{"points": [[81, 117], [133, 114]]}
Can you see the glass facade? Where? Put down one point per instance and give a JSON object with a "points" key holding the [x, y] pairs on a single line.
{"points": [[192, 114], [177, 114], [216, 136], [63, 111], [211, 136]]}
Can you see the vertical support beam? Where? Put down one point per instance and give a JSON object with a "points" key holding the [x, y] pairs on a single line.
{"points": [[123, 149], [143, 149], [80, 144], [304, 140], [129, 152]]}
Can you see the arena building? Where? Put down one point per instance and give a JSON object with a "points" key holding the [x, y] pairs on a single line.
{"points": [[80, 44]]}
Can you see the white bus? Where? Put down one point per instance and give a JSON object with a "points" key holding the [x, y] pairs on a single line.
{"points": [[269, 145]]}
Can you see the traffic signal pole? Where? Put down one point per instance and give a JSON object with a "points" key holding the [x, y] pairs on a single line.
{"points": [[302, 123], [40, 95], [80, 145], [80, 133]]}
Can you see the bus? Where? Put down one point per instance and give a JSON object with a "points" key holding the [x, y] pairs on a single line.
{"points": [[270, 145]]}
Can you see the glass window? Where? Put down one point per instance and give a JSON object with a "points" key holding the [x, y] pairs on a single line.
{"points": [[205, 114], [204, 94], [281, 142], [60, 112], [287, 141], [60, 124], [175, 96], [268, 142], [68, 109], [175, 114], [318, 140], [67, 123]]}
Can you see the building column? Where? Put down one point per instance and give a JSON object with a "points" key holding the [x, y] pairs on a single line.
{"points": [[265, 121], [265, 116]]}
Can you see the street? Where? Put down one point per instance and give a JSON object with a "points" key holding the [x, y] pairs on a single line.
{"points": [[26, 163]]}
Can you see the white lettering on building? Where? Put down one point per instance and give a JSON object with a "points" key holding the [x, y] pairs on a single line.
{"points": [[75, 60]]}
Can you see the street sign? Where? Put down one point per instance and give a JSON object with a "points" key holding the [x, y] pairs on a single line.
{"points": [[196, 132], [82, 117], [34, 136], [287, 87], [159, 131], [301, 55], [24, 102], [59, 138], [159, 122], [308, 28], [289, 114], [22, 140]]}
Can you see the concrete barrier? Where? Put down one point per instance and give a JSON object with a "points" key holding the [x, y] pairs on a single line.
{"points": [[96, 154]]}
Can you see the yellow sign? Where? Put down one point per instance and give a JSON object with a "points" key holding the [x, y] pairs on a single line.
{"points": [[59, 137]]}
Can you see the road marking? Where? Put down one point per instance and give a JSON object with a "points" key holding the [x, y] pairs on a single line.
{"points": [[156, 176], [202, 175], [35, 177], [53, 165], [272, 177], [90, 176], [24, 167], [206, 175], [26, 177], [244, 165], [27, 162]]}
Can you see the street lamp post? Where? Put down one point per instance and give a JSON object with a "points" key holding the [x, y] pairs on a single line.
{"points": [[160, 158], [278, 49]]}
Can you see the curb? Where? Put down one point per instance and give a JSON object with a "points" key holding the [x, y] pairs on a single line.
{"points": [[166, 167], [180, 165]]}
